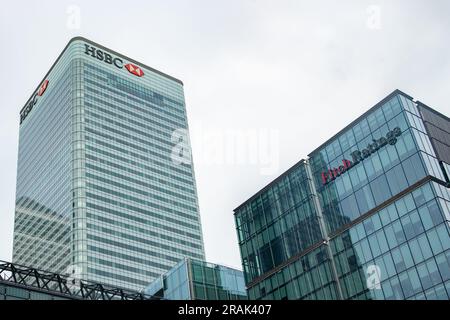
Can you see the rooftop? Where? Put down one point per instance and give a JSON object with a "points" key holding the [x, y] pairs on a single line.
{"points": [[394, 93], [105, 49]]}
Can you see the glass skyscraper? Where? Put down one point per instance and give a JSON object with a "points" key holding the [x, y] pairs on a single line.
{"points": [[98, 190], [366, 216]]}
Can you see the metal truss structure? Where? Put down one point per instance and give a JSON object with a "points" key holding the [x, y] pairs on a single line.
{"points": [[63, 286]]}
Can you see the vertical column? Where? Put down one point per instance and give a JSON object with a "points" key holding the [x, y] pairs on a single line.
{"points": [[190, 278], [323, 229], [79, 243]]}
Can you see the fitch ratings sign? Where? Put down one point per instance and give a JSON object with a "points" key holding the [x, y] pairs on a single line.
{"points": [[360, 155]]}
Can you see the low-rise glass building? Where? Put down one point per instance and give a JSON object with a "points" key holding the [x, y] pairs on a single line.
{"points": [[199, 280], [366, 216]]}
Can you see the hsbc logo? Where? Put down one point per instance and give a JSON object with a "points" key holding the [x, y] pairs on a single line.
{"points": [[134, 70], [117, 62], [33, 101], [43, 87], [103, 56]]}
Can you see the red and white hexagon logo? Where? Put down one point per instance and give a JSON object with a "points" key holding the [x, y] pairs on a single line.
{"points": [[134, 69], [43, 87]]}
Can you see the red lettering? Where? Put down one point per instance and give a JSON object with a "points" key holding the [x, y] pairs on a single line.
{"points": [[347, 163], [324, 177], [335, 172]]}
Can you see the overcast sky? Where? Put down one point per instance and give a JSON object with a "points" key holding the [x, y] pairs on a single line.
{"points": [[290, 73]]}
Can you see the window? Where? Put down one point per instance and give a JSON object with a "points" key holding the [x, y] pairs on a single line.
{"points": [[197, 272], [369, 226], [361, 130], [266, 258], [426, 215], [406, 254], [350, 207], [398, 231], [443, 235], [419, 195], [390, 236], [402, 258], [366, 250], [406, 284], [414, 169], [392, 212], [396, 289], [416, 222], [360, 230], [364, 199], [278, 251], [407, 227], [433, 271], [380, 189], [425, 246], [415, 248], [415, 282], [387, 290], [382, 241], [424, 276], [435, 244], [435, 213], [374, 245], [389, 263], [396, 179], [199, 291], [443, 262]]}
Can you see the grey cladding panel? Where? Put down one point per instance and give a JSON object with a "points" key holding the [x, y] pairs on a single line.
{"points": [[438, 127]]}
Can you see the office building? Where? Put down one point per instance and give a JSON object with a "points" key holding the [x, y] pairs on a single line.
{"points": [[199, 280], [105, 185], [366, 216]]}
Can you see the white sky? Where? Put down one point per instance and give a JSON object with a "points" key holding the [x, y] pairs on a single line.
{"points": [[300, 70]]}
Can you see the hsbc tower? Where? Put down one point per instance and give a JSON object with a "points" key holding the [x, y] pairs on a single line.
{"points": [[99, 194]]}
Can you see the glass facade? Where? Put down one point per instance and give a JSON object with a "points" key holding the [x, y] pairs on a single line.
{"points": [[97, 189], [9, 292], [408, 240], [379, 213], [198, 280]]}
